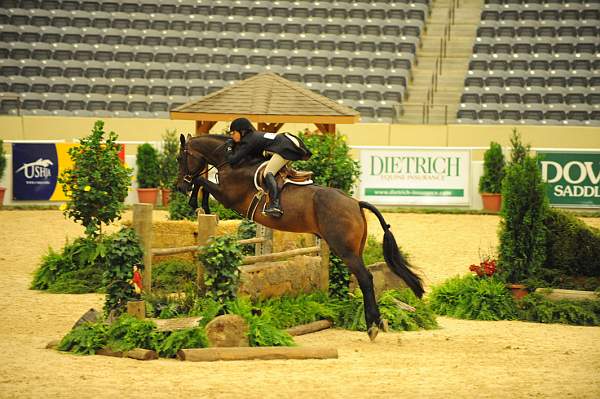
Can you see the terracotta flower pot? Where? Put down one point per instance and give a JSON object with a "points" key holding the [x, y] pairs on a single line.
{"points": [[491, 202], [147, 195], [2, 190], [166, 195], [518, 290]]}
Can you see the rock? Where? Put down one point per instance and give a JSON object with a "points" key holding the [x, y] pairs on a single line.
{"points": [[91, 316], [227, 331]]}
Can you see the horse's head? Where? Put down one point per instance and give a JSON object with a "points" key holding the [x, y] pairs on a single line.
{"points": [[191, 164], [194, 156]]}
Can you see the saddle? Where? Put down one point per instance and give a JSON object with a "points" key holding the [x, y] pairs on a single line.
{"points": [[287, 175]]}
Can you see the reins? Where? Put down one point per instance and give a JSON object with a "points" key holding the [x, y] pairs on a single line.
{"points": [[190, 177]]}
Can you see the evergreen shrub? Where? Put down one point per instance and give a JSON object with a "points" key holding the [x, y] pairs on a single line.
{"points": [[493, 170], [148, 167]]}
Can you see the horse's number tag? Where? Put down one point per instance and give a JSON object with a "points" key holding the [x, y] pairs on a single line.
{"points": [[270, 136]]}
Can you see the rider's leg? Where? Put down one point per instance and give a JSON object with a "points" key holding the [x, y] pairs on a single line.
{"points": [[275, 164]]}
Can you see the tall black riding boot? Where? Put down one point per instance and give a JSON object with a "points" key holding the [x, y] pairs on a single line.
{"points": [[273, 209]]}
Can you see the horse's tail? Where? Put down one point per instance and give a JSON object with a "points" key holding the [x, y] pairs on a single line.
{"points": [[393, 257]]}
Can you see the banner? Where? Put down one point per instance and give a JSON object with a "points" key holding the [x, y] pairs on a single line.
{"points": [[572, 178], [414, 177], [36, 168]]}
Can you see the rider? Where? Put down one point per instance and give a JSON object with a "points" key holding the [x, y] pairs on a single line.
{"points": [[285, 147]]}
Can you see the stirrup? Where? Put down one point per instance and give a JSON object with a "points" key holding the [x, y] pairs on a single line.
{"points": [[273, 212]]}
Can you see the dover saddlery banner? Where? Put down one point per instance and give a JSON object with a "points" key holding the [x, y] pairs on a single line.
{"points": [[414, 177], [572, 178]]}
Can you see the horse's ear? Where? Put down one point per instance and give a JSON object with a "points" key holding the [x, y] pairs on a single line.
{"points": [[182, 140]]}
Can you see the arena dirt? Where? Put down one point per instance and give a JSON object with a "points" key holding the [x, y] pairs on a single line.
{"points": [[463, 359]]}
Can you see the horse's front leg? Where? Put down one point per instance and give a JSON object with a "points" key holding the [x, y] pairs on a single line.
{"points": [[208, 188]]}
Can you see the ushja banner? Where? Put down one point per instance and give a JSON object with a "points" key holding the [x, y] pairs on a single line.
{"points": [[414, 177], [36, 168]]}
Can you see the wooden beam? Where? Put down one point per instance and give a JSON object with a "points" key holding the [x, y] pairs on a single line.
{"points": [[332, 119], [142, 224], [309, 328], [556, 294], [255, 353], [269, 127], [326, 128], [203, 127]]}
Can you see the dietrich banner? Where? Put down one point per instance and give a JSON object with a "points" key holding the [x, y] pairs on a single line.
{"points": [[414, 177], [572, 178]]}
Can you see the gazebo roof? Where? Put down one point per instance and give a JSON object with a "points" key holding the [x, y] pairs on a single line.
{"points": [[267, 98]]}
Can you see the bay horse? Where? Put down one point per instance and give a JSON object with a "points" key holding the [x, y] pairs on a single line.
{"points": [[326, 212]]}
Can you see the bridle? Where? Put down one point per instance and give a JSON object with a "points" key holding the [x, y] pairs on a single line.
{"points": [[188, 176]]}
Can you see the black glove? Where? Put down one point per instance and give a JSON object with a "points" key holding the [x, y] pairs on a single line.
{"points": [[229, 145]]}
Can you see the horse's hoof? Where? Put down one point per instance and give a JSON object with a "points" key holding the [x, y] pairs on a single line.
{"points": [[373, 331], [384, 325]]}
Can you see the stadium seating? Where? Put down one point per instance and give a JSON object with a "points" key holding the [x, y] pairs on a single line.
{"points": [[535, 62], [360, 54]]}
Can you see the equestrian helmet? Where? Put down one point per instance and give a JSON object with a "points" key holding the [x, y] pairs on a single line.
{"points": [[241, 125]]}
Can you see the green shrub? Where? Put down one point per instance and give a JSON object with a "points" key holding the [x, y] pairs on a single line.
{"points": [[97, 183], [261, 330], [148, 168], [167, 159], [216, 208], [182, 339], [493, 170], [173, 274], [127, 333], [76, 270], [534, 307], [2, 159], [373, 252], [123, 251], [286, 312], [339, 277], [473, 298], [350, 312], [221, 259], [572, 247], [179, 208], [331, 162], [522, 250], [247, 229], [85, 339]]}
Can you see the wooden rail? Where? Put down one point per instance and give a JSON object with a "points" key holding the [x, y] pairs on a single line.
{"points": [[195, 248]]}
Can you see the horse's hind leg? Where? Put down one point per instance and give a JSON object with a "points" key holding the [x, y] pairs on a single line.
{"points": [[365, 282]]}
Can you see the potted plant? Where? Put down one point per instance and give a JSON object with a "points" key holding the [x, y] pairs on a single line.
{"points": [[490, 183], [148, 174], [2, 168], [168, 164]]}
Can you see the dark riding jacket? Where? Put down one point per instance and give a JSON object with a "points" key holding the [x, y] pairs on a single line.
{"points": [[254, 144]]}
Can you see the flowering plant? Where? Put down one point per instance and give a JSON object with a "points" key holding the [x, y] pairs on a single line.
{"points": [[487, 267]]}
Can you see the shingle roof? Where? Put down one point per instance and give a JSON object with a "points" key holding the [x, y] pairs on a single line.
{"points": [[266, 94]]}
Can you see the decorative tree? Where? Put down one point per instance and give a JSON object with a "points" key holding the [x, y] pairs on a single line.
{"points": [[2, 160], [522, 249], [493, 170], [148, 172], [168, 159], [98, 182]]}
